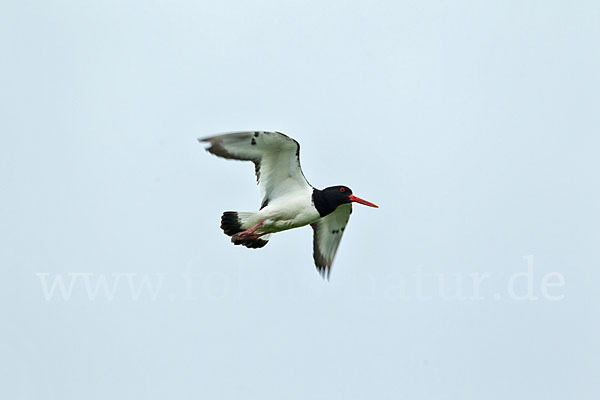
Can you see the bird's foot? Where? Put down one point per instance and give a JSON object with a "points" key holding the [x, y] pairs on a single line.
{"points": [[244, 236], [247, 235]]}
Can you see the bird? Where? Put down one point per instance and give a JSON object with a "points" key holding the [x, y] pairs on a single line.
{"points": [[288, 200]]}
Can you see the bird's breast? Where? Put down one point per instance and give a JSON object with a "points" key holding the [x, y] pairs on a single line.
{"points": [[289, 212]]}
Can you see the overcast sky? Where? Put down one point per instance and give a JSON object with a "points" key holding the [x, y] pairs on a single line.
{"points": [[473, 124]]}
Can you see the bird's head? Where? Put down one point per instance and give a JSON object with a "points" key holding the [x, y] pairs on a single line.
{"points": [[342, 195]]}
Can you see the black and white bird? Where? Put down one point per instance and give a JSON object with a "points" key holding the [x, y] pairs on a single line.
{"points": [[289, 201]]}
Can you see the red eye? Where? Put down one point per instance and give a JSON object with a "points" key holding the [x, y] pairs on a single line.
{"points": [[342, 189]]}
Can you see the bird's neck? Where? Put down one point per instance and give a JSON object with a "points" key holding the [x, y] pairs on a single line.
{"points": [[324, 204]]}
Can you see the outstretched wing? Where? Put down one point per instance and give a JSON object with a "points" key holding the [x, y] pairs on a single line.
{"points": [[276, 158], [327, 235]]}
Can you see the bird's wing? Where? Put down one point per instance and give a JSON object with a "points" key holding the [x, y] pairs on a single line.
{"points": [[327, 235], [276, 158]]}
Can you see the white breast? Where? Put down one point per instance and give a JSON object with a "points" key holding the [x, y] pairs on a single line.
{"points": [[289, 211]]}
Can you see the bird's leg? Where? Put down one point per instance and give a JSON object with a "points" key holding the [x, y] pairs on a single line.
{"points": [[251, 231], [249, 234]]}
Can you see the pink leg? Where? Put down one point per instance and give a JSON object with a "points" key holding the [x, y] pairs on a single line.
{"points": [[251, 231], [249, 234]]}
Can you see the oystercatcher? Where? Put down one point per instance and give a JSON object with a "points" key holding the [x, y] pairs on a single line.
{"points": [[289, 201]]}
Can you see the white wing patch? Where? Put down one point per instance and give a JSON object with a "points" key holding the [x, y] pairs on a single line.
{"points": [[327, 235], [276, 158]]}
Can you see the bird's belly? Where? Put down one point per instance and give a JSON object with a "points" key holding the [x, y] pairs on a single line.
{"points": [[280, 218], [284, 224]]}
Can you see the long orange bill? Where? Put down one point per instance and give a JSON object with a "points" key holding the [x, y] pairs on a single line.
{"points": [[361, 201]]}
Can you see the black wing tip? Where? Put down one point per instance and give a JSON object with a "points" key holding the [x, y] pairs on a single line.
{"points": [[324, 271], [323, 267], [322, 264], [208, 142], [205, 139], [218, 150]]}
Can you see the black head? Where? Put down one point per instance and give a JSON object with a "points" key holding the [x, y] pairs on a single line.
{"points": [[337, 194], [328, 199]]}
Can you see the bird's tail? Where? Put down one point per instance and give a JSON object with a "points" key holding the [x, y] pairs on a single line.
{"points": [[231, 223]]}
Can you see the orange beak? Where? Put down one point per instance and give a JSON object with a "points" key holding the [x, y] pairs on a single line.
{"points": [[361, 201]]}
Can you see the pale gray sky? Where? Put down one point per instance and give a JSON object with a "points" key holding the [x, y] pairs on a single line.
{"points": [[473, 124]]}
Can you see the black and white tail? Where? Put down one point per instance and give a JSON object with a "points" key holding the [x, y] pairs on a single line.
{"points": [[231, 223]]}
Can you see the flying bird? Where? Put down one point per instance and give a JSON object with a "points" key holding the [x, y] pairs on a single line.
{"points": [[288, 200]]}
